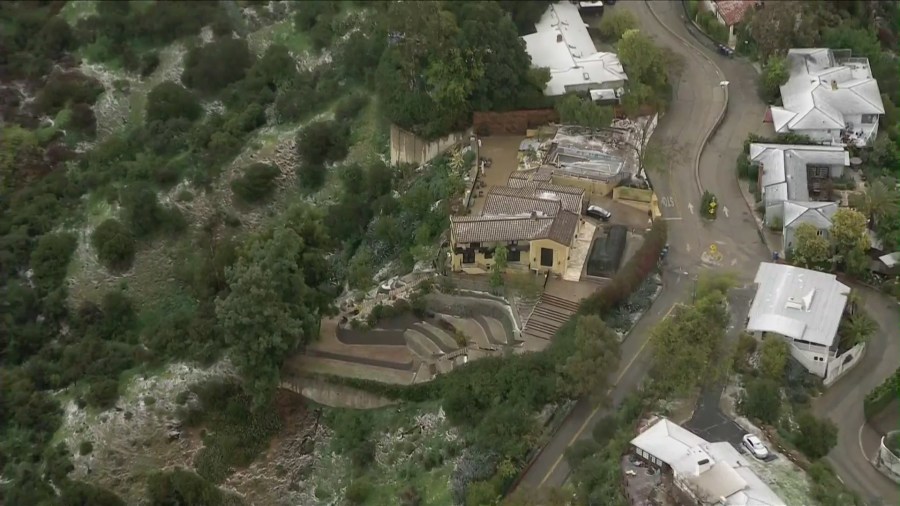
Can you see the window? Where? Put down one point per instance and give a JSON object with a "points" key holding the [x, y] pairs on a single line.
{"points": [[820, 232], [546, 257], [869, 119], [489, 254], [513, 255], [468, 256]]}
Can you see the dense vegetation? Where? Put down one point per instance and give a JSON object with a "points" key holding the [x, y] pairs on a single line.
{"points": [[495, 400]]}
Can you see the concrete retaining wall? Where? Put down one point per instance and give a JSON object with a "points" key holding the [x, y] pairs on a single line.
{"points": [[406, 147], [886, 462]]}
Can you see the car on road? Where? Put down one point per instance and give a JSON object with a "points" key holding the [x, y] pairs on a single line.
{"points": [[755, 446], [598, 212]]}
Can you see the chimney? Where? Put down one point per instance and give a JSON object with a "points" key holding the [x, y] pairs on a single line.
{"points": [[533, 215], [703, 465], [834, 84], [558, 37]]}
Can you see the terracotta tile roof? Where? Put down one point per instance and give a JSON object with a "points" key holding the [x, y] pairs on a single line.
{"points": [[521, 178], [501, 203], [492, 228], [570, 197], [733, 11]]}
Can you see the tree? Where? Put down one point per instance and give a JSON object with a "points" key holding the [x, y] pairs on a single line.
{"points": [[773, 358], [185, 487], [525, 13], [501, 254], [684, 343], [168, 100], [596, 355], [762, 400], [204, 68], [792, 24], [775, 74], [278, 292], [880, 201], [574, 110], [50, 259], [114, 244], [809, 249], [851, 240], [814, 437], [256, 183], [323, 142], [646, 67], [856, 328], [614, 24]]}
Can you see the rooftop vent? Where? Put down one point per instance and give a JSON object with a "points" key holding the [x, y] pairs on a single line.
{"points": [[587, 76], [558, 37], [834, 85]]}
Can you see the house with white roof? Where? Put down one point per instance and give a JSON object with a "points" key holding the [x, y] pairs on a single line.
{"points": [[830, 97], [711, 473], [790, 176], [817, 214], [803, 307], [563, 45]]}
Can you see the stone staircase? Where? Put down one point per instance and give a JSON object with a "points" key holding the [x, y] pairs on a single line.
{"points": [[548, 316]]}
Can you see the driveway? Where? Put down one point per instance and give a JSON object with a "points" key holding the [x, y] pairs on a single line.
{"points": [[843, 403]]}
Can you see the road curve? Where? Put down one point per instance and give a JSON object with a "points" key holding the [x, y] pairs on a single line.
{"points": [[843, 404], [682, 133]]}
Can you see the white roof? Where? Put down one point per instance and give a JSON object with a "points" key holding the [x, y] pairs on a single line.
{"points": [[816, 213], [563, 45], [822, 90], [785, 165], [728, 475], [797, 303], [891, 259]]}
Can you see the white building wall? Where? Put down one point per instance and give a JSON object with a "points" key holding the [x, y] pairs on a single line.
{"points": [[839, 366], [815, 361]]}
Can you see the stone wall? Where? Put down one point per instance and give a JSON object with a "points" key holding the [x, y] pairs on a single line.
{"points": [[886, 461]]}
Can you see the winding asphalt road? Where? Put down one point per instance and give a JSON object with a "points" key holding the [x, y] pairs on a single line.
{"points": [[695, 109], [843, 403], [693, 166]]}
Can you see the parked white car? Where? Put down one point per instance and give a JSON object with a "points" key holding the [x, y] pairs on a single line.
{"points": [[755, 446]]}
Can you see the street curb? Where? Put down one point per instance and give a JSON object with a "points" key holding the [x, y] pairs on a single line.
{"points": [[571, 405], [759, 231]]}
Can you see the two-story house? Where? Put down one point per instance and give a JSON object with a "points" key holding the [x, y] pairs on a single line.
{"points": [[830, 97], [535, 223], [790, 177], [803, 307], [562, 44]]}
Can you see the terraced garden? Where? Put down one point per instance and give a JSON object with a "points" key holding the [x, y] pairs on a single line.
{"points": [[453, 330]]}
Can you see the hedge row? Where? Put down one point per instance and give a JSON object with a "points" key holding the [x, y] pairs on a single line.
{"points": [[882, 395], [630, 276]]}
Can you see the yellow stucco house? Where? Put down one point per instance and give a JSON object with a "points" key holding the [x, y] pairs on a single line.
{"points": [[536, 224]]}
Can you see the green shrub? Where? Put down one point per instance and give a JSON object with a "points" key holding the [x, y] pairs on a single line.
{"points": [[50, 259], [879, 398], [256, 183], [814, 437], [616, 23], [67, 88], [102, 393], [709, 205], [761, 401], [708, 22], [114, 244], [85, 448], [168, 100], [358, 491], [212, 67]]}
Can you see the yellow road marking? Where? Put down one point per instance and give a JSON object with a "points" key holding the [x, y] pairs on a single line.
{"points": [[597, 409]]}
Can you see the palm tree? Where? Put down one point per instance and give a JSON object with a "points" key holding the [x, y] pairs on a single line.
{"points": [[880, 201], [857, 329]]}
